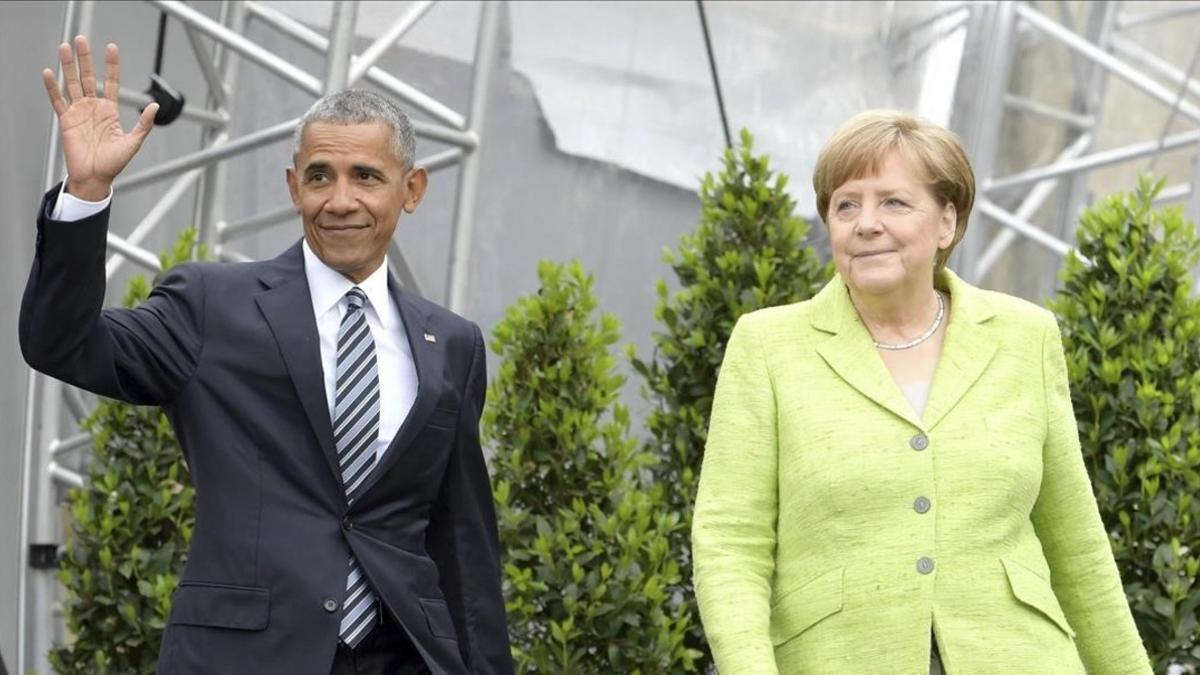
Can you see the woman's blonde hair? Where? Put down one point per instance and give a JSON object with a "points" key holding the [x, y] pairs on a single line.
{"points": [[859, 147]]}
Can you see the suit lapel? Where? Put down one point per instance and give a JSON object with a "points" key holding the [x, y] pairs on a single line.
{"points": [[851, 354], [966, 351], [968, 348], [428, 358], [286, 305]]}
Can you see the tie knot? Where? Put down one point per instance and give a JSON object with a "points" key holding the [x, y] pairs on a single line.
{"points": [[356, 298]]}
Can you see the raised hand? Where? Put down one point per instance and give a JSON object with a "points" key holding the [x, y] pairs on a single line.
{"points": [[95, 147]]}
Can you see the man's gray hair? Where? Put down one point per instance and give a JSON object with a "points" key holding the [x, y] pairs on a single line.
{"points": [[358, 106]]}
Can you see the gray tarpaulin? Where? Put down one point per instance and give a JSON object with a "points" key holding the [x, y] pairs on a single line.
{"points": [[628, 83]]}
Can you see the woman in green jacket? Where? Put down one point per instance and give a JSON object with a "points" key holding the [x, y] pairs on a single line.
{"points": [[893, 481]]}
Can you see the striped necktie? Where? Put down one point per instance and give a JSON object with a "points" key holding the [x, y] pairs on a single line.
{"points": [[355, 430]]}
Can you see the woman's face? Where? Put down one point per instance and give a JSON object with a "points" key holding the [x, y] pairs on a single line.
{"points": [[885, 229]]}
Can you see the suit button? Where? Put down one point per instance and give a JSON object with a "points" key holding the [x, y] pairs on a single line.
{"points": [[919, 442], [347, 524], [925, 565], [329, 605], [921, 505]]}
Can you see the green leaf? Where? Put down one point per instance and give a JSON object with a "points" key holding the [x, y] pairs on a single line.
{"points": [[1132, 340], [127, 544], [569, 480]]}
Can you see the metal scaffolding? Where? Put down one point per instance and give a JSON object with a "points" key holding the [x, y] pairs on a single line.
{"points": [[1015, 202], [1102, 50], [221, 48]]}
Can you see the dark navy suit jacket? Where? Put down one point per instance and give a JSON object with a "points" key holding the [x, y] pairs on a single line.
{"points": [[230, 352]]}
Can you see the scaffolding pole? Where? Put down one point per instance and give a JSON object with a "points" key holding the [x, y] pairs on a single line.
{"points": [[52, 409]]}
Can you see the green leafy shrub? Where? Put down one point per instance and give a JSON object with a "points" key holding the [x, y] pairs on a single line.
{"points": [[584, 533], [132, 524], [1131, 331], [749, 252]]}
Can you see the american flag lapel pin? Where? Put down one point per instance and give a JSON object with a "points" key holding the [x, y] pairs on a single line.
{"points": [[430, 337]]}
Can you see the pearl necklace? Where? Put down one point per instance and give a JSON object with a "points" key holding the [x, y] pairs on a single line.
{"points": [[937, 322]]}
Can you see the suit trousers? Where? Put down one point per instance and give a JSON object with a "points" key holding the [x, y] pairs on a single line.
{"points": [[385, 651]]}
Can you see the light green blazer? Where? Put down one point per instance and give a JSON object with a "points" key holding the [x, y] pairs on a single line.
{"points": [[834, 528]]}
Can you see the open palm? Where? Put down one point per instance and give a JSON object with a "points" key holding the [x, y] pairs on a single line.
{"points": [[94, 145]]}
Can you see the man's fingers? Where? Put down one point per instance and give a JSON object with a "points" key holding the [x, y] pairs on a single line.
{"points": [[112, 72], [70, 75], [144, 124], [56, 97], [87, 70]]}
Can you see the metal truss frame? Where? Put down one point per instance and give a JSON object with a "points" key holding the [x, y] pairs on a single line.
{"points": [[1103, 50], [53, 410]]}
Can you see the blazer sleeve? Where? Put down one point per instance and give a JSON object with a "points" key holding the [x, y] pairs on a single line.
{"points": [[733, 528], [463, 538], [1083, 572], [144, 355]]}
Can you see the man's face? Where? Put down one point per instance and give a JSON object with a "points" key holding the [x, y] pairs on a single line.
{"points": [[349, 189]]}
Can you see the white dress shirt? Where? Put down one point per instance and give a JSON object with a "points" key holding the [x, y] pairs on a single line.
{"points": [[70, 208], [393, 354], [327, 288]]}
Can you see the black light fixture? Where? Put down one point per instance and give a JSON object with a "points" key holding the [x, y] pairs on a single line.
{"points": [[170, 101]]}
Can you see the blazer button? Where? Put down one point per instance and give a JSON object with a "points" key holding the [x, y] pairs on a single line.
{"points": [[329, 605], [919, 442], [347, 524], [921, 505], [925, 565]]}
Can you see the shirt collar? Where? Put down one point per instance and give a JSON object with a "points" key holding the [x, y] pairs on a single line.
{"points": [[327, 287]]}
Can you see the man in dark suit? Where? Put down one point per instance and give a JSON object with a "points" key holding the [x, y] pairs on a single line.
{"points": [[344, 519]]}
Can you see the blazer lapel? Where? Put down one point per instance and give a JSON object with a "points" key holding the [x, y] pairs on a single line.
{"points": [[429, 359], [968, 348], [285, 304], [851, 353]]}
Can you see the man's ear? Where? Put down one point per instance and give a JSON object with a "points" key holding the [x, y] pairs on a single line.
{"points": [[416, 181], [294, 187]]}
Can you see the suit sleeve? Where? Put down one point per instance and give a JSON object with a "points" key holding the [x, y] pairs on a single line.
{"points": [[1076, 546], [463, 538], [733, 529], [144, 355]]}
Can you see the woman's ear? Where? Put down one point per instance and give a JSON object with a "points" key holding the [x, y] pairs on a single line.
{"points": [[947, 225]]}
